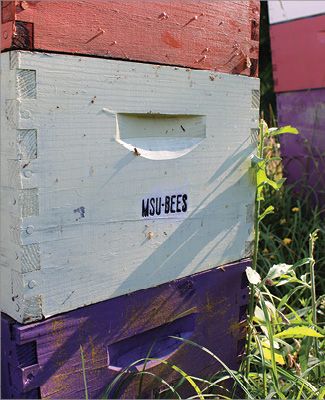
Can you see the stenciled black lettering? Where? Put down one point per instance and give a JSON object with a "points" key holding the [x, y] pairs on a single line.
{"points": [[152, 206], [145, 208], [173, 203], [184, 207], [170, 204], [158, 205], [167, 204], [179, 201]]}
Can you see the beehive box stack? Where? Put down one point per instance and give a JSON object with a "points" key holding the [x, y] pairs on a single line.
{"points": [[297, 42], [126, 140]]}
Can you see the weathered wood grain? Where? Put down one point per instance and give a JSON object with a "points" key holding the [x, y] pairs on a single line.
{"points": [[94, 242], [282, 11], [43, 359], [298, 54], [205, 34]]}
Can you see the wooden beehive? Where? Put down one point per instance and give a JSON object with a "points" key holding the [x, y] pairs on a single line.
{"points": [[221, 35], [118, 177], [43, 359]]}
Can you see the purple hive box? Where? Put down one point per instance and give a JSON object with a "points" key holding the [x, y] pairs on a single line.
{"points": [[304, 154], [43, 360]]}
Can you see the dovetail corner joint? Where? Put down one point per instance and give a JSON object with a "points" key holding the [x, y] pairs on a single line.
{"points": [[26, 83], [23, 36]]}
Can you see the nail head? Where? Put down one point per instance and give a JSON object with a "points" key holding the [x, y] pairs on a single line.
{"points": [[31, 284], [29, 229]]}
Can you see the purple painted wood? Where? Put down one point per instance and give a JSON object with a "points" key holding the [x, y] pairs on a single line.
{"points": [[43, 359], [304, 154]]}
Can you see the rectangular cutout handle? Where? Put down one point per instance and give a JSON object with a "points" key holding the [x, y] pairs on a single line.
{"points": [[156, 344]]}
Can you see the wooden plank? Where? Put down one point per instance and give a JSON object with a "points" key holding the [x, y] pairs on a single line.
{"points": [[282, 11], [221, 36], [304, 153], [43, 359], [298, 54], [90, 227]]}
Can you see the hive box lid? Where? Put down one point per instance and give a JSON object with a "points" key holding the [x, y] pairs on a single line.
{"points": [[215, 35], [119, 176]]}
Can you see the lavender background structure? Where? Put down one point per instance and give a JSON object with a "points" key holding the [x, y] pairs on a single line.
{"points": [[304, 154]]}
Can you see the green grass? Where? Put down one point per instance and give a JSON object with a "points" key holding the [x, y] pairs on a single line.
{"points": [[285, 347], [284, 235]]}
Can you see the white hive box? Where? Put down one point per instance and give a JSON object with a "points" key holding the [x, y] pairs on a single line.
{"points": [[86, 143]]}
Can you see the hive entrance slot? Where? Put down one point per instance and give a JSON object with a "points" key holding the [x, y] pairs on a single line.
{"points": [[160, 136]]}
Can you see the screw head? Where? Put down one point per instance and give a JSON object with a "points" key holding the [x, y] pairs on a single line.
{"points": [[29, 229], [31, 284], [27, 173]]}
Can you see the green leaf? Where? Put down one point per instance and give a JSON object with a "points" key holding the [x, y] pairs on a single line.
{"points": [[276, 184], [253, 276], [261, 173], [281, 131], [278, 270], [269, 210], [298, 332], [304, 353], [288, 279], [261, 179], [301, 262], [272, 183], [278, 357]]}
